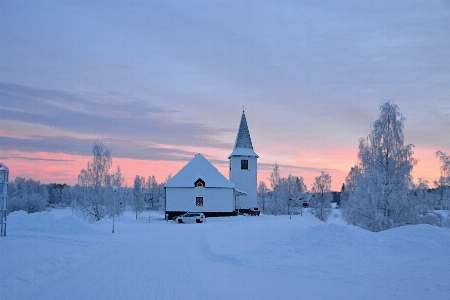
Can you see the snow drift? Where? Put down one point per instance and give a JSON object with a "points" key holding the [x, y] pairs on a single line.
{"points": [[52, 255]]}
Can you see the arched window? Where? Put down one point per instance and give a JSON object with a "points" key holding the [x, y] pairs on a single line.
{"points": [[199, 182]]}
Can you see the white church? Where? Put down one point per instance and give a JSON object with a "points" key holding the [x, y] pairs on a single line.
{"points": [[200, 187]]}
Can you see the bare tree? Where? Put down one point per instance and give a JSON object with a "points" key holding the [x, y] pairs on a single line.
{"points": [[138, 195], [275, 179], [263, 193], [293, 187], [97, 172], [117, 195], [153, 192], [445, 168], [301, 190], [443, 184], [321, 200], [93, 181], [117, 178]]}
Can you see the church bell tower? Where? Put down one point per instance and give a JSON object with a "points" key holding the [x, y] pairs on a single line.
{"points": [[243, 167]]}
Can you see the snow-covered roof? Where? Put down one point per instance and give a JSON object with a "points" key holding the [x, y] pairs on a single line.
{"points": [[239, 192], [199, 167], [243, 152], [243, 145]]}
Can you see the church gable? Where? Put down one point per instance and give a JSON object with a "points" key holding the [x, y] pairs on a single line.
{"points": [[198, 170]]}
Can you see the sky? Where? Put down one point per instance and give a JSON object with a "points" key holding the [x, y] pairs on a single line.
{"points": [[158, 82]]}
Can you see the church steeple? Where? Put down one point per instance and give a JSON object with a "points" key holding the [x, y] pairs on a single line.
{"points": [[244, 167], [243, 139]]}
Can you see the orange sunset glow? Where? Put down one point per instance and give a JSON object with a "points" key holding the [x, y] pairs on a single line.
{"points": [[65, 168]]}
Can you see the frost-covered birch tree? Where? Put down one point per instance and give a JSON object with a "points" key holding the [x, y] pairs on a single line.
{"points": [[28, 195], [263, 195], [93, 204], [284, 198], [117, 178], [97, 172], [274, 180], [443, 184], [153, 192], [293, 188], [320, 202], [425, 203], [117, 196], [138, 195], [377, 187]]}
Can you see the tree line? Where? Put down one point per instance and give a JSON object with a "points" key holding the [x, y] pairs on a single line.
{"points": [[378, 193], [290, 195], [98, 194]]}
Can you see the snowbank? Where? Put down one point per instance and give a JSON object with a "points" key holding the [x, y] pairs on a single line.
{"points": [[46, 223], [52, 255]]}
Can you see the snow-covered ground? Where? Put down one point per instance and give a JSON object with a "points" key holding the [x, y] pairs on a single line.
{"points": [[52, 255]]}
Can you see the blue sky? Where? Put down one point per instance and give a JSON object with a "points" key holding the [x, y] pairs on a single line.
{"points": [[159, 82]]}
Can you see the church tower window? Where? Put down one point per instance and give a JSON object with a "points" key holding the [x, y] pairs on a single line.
{"points": [[244, 164]]}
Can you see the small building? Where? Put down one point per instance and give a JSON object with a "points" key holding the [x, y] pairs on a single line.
{"points": [[200, 187]]}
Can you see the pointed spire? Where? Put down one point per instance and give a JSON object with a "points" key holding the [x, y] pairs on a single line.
{"points": [[243, 145], [243, 139]]}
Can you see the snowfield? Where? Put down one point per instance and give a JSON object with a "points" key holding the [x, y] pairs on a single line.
{"points": [[52, 255]]}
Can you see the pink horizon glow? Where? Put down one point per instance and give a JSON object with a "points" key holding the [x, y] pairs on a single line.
{"points": [[64, 168]]}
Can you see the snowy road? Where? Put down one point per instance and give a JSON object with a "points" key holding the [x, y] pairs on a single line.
{"points": [[263, 257]]}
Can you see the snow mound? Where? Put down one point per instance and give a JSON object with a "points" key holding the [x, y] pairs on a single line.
{"points": [[414, 239], [46, 222], [329, 243]]}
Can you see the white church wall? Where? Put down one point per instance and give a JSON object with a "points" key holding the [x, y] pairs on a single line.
{"points": [[214, 199], [244, 180]]}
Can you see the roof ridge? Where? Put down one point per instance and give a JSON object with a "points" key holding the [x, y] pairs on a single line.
{"points": [[199, 167]]}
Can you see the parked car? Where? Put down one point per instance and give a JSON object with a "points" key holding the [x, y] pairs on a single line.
{"points": [[253, 212], [190, 217]]}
